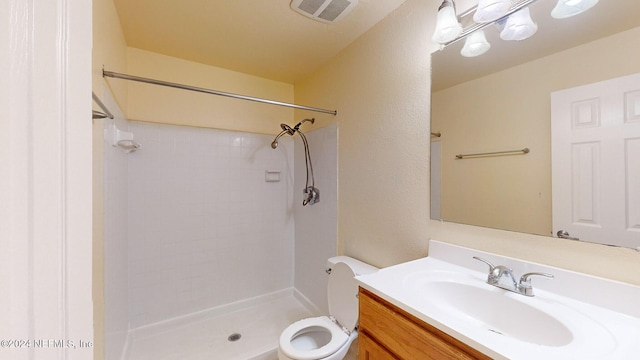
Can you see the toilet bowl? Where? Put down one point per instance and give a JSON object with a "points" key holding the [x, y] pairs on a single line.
{"points": [[328, 337]]}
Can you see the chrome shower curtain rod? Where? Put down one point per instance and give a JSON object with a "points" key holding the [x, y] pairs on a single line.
{"points": [[213, 92], [98, 114]]}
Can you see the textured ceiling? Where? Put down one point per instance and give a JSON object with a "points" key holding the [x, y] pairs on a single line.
{"points": [[258, 37]]}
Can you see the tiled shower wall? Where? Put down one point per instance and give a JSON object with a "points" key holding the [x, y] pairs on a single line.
{"points": [[204, 227], [316, 229], [116, 319]]}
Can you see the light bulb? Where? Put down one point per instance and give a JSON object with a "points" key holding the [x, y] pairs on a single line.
{"points": [[448, 27], [569, 8], [491, 10], [475, 45], [519, 26]]}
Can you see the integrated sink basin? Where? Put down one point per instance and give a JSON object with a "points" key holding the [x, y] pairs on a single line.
{"points": [[573, 316], [494, 310]]}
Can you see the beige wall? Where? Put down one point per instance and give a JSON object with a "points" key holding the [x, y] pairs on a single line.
{"points": [[109, 51], [511, 110], [160, 104], [380, 88]]}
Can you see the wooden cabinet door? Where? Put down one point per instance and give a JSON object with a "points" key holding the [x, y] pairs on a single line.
{"points": [[368, 349], [405, 336]]}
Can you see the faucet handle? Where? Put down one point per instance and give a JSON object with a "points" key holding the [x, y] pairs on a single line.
{"points": [[525, 282], [495, 272], [491, 267]]}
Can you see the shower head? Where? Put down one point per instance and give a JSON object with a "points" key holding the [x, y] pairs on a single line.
{"points": [[286, 128], [274, 143]]}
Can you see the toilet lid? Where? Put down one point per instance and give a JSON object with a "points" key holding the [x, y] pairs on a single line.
{"points": [[343, 296]]}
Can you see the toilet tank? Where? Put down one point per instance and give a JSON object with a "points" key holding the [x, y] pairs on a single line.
{"points": [[358, 267]]}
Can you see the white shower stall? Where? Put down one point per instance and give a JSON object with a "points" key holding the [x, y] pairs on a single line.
{"points": [[209, 252]]}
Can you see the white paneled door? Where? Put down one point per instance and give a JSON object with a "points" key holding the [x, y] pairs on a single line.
{"points": [[596, 161]]}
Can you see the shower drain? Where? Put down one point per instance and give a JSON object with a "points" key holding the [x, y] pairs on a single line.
{"points": [[234, 337]]}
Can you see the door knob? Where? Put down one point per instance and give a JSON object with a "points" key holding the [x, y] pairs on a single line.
{"points": [[563, 234]]}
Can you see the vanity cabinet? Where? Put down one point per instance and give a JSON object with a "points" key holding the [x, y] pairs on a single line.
{"points": [[388, 332]]}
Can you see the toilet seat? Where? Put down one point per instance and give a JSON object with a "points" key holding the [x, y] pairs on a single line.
{"points": [[338, 339], [303, 339]]}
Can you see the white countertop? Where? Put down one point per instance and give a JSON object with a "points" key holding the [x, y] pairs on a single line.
{"points": [[602, 317]]}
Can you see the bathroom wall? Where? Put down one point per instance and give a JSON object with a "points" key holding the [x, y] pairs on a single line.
{"points": [[523, 120], [380, 88], [109, 51], [159, 104], [115, 246], [205, 229], [316, 225]]}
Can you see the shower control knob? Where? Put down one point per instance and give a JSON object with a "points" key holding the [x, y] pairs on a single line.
{"points": [[311, 196]]}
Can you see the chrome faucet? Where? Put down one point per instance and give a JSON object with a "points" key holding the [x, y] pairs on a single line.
{"points": [[502, 277]]}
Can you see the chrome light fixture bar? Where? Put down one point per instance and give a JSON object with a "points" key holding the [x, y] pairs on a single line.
{"points": [[475, 27]]}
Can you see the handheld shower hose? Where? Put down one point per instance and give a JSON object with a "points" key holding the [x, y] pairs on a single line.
{"points": [[311, 193]]}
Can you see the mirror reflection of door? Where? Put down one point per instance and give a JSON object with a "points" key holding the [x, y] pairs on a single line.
{"points": [[596, 161]]}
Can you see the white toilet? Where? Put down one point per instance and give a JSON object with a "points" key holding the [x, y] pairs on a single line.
{"points": [[328, 337]]}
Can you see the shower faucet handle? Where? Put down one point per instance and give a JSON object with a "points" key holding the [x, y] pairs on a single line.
{"points": [[311, 196]]}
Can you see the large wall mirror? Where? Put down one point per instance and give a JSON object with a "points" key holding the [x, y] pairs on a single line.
{"points": [[500, 101]]}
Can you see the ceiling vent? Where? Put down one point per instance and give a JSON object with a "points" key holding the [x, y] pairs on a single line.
{"points": [[326, 11]]}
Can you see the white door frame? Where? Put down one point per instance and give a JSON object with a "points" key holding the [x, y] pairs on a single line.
{"points": [[46, 179]]}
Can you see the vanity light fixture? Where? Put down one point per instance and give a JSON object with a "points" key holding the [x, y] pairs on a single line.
{"points": [[515, 24], [491, 10], [569, 8], [448, 27], [475, 45], [519, 26]]}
